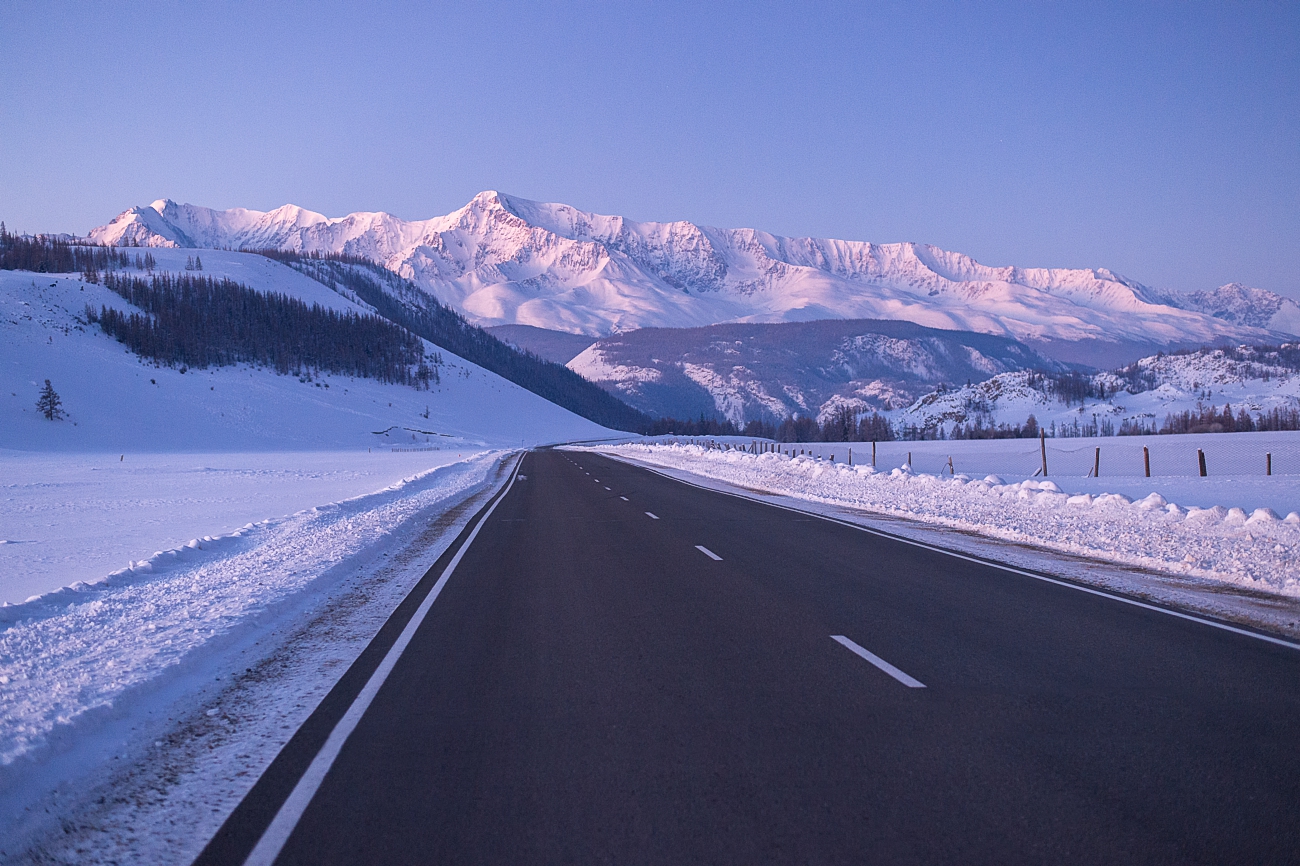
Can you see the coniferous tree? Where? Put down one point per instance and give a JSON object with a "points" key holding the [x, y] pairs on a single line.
{"points": [[49, 403], [198, 263]]}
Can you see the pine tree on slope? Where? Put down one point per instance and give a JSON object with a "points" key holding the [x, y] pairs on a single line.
{"points": [[49, 403]]}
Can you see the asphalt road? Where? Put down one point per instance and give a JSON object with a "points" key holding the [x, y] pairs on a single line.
{"points": [[597, 685]]}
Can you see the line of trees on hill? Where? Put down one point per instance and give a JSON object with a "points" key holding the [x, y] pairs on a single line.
{"points": [[196, 321], [44, 254], [843, 425], [706, 426], [400, 301], [1212, 420]]}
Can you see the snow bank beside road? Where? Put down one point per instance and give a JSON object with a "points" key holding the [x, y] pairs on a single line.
{"points": [[1257, 550], [67, 653], [78, 517]]}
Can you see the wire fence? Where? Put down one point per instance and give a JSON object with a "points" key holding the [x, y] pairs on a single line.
{"points": [[1214, 455]]}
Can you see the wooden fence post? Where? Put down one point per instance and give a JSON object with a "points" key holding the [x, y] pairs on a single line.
{"points": [[1200, 458], [1042, 444], [1096, 463], [1146, 459]]}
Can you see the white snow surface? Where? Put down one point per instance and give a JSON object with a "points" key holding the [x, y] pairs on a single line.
{"points": [[1258, 550], [80, 648], [501, 259], [1236, 463], [117, 402], [77, 518]]}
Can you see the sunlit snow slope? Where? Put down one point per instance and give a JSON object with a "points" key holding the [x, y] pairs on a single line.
{"points": [[115, 401], [506, 260]]}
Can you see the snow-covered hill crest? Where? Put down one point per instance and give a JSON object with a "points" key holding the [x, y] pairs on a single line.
{"points": [[506, 260], [1257, 380], [118, 401]]}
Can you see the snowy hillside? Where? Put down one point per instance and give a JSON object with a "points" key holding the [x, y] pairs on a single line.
{"points": [[1142, 395], [505, 260], [117, 402], [767, 372]]}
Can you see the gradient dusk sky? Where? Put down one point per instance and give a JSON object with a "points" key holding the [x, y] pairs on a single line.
{"points": [[1159, 140]]}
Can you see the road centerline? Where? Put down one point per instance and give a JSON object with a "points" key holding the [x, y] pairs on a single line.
{"points": [[709, 553], [858, 650], [652, 515]]}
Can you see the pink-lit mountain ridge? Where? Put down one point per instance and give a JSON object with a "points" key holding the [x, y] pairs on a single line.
{"points": [[506, 260]]}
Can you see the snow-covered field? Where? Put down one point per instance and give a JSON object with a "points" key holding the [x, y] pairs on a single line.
{"points": [[79, 648], [138, 711], [1257, 549], [1235, 463], [72, 518]]}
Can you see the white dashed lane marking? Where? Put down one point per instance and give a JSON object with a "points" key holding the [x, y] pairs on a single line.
{"points": [[910, 682]]}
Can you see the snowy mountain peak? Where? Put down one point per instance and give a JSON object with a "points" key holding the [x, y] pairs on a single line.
{"points": [[1245, 305], [501, 259]]}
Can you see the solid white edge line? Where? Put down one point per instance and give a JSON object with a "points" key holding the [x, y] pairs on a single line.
{"points": [[277, 833], [998, 565], [651, 516], [709, 553], [910, 682], [625, 499]]}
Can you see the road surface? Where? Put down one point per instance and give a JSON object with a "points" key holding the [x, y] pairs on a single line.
{"points": [[626, 669]]}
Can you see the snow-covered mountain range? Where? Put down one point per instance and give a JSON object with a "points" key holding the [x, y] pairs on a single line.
{"points": [[506, 260]]}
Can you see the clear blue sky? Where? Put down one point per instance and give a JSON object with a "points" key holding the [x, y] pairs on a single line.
{"points": [[1162, 141]]}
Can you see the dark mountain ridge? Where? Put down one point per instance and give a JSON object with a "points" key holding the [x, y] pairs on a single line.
{"points": [[767, 372]]}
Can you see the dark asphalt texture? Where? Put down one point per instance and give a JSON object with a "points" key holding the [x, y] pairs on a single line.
{"points": [[591, 688]]}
